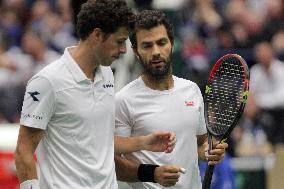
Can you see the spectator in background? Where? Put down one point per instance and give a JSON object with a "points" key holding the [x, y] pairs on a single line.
{"points": [[274, 18], [59, 32], [266, 102], [36, 47], [278, 43], [76, 5], [37, 12], [194, 53], [14, 73], [9, 22]]}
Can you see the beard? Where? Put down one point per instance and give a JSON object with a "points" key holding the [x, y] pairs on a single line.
{"points": [[156, 72]]}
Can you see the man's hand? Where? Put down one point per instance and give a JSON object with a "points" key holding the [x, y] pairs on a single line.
{"points": [[217, 154], [167, 175], [160, 142], [156, 142]]}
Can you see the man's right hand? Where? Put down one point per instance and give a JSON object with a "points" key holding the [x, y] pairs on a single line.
{"points": [[167, 175]]}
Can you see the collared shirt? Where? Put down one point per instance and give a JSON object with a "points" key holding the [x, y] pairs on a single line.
{"points": [[268, 87], [77, 116]]}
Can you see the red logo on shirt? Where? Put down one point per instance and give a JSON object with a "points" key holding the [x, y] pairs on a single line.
{"points": [[189, 103]]}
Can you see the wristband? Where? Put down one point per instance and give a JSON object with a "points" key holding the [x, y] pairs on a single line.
{"points": [[146, 172], [30, 184]]}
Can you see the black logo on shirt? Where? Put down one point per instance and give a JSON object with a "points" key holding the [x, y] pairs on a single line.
{"points": [[109, 85], [33, 95]]}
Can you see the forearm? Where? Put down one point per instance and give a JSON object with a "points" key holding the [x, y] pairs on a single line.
{"points": [[26, 167], [201, 152], [124, 145], [28, 140], [126, 170], [202, 146]]}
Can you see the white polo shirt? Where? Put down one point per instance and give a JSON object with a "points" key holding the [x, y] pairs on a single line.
{"points": [[77, 116], [141, 111]]}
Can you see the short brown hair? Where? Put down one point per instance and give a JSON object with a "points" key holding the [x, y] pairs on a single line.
{"points": [[108, 15], [148, 19]]}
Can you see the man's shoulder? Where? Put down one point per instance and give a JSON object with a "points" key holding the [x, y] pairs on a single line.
{"points": [[129, 89], [181, 82], [54, 73]]}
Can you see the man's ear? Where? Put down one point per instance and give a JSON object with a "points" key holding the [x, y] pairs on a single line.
{"points": [[97, 35], [173, 48]]}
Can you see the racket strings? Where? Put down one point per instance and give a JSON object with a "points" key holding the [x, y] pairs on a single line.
{"points": [[225, 99]]}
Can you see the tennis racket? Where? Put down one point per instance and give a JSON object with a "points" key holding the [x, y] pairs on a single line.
{"points": [[225, 97]]}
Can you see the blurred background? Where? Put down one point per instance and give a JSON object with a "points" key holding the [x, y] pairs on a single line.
{"points": [[33, 33]]}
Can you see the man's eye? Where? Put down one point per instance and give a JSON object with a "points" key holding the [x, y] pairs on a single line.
{"points": [[162, 43], [121, 42], [146, 46]]}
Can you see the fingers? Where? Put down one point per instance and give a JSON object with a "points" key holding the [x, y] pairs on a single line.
{"points": [[217, 154], [169, 140], [167, 175], [159, 142], [171, 143]]}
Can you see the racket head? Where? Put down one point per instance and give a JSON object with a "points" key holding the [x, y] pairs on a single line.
{"points": [[226, 94]]}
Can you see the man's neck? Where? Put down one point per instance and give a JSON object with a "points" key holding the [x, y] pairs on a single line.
{"points": [[85, 59], [160, 84]]}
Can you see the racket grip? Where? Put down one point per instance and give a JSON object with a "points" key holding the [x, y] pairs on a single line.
{"points": [[208, 177]]}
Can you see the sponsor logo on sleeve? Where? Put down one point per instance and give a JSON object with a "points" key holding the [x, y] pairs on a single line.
{"points": [[33, 95], [32, 116]]}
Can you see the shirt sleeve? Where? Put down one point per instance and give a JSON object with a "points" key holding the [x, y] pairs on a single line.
{"points": [[201, 128], [123, 123], [38, 105]]}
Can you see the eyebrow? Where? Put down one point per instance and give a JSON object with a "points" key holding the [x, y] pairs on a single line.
{"points": [[122, 39], [150, 42]]}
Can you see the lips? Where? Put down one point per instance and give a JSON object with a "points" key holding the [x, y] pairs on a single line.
{"points": [[157, 62]]}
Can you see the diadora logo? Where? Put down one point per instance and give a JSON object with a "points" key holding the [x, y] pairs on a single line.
{"points": [[109, 85], [33, 95], [189, 103]]}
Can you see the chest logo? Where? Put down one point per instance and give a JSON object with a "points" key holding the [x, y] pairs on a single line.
{"points": [[109, 85], [189, 103]]}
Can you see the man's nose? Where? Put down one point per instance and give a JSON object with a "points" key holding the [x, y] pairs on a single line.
{"points": [[156, 51], [122, 49]]}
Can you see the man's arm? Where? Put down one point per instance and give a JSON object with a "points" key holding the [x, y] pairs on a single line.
{"points": [[216, 155], [127, 171], [202, 146], [156, 142], [28, 139]]}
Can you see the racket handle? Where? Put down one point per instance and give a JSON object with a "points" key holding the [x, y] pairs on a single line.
{"points": [[208, 177]]}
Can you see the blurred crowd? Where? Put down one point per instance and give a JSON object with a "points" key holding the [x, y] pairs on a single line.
{"points": [[33, 33]]}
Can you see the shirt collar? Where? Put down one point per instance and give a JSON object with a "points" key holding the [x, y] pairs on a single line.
{"points": [[76, 71]]}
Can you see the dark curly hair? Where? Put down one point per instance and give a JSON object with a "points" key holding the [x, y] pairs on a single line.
{"points": [[148, 19], [108, 15]]}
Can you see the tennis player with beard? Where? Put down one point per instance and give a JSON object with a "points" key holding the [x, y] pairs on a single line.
{"points": [[68, 110], [156, 101]]}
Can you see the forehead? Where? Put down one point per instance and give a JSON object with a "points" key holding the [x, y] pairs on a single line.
{"points": [[153, 34]]}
